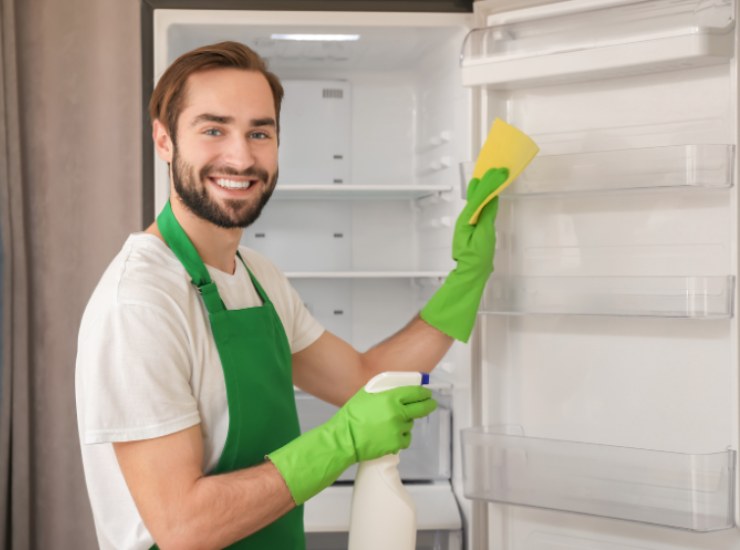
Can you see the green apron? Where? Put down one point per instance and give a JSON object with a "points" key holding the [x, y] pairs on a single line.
{"points": [[256, 360]]}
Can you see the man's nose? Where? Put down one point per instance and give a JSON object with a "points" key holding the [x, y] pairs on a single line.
{"points": [[239, 153]]}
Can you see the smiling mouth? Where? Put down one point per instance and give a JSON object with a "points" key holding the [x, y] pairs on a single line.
{"points": [[233, 184]]}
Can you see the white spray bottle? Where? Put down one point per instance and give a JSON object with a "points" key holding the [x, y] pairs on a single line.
{"points": [[383, 515]]}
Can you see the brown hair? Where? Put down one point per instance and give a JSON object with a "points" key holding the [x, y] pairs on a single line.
{"points": [[167, 99]]}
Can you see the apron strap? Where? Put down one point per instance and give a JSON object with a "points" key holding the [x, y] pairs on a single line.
{"points": [[183, 248]]}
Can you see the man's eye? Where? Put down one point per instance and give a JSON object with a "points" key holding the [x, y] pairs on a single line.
{"points": [[260, 135], [212, 132]]}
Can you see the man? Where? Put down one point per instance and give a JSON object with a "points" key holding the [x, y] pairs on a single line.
{"points": [[191, 344]]}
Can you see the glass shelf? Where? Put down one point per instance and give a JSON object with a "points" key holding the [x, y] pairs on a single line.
{"points": [[687, 491], [557, 43], [359, 192], [366, 274], [676, 297]]}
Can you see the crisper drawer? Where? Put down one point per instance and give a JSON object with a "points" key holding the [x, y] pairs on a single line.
{"points": [[428, 457], [327, 517], [425, 540]]}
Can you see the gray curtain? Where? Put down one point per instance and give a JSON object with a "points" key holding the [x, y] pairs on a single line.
{"points": [[70, 192], [15, 409]]}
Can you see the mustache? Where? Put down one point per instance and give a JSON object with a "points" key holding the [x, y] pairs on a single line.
{"points": [[251, 172]]}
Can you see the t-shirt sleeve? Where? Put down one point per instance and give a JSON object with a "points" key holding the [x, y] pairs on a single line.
{"points": [[133, 371]]}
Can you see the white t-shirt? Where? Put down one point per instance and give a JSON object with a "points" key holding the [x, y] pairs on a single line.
{"points": [[148, 366]]}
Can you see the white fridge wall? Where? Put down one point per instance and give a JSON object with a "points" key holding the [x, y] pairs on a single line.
{"points": [[303, 236], [643, 383], [663, 384], [663, 108], [360, 311], [444, 141], [310, 107], [383, 133]]}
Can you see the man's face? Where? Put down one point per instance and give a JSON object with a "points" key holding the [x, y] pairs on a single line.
{"points": [[224, 163]]}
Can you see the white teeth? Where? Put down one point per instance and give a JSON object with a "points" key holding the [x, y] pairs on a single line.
{"points": [[231, 184]]}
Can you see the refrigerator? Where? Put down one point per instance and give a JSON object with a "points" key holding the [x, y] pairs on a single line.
{"points": [[597, 404]]}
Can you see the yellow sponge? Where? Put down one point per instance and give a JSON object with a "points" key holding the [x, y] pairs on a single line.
{"points": [[505, 147]]}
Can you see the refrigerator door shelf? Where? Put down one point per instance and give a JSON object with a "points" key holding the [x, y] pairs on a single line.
{"points": [[359, 192], [530, 47], [665, 297], [673, 167], [678, 52], [686, 491]]}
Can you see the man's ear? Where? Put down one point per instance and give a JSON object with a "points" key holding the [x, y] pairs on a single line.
{"points": [[162, 141]]}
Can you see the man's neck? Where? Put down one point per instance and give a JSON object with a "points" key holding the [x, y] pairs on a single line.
{"points": [[215, 245]]}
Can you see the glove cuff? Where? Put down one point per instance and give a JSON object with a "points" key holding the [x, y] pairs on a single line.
{"points": [[313, 461], [454, 307]]}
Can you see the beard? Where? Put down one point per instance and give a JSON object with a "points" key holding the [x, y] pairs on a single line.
{"points": [[193, 192]]}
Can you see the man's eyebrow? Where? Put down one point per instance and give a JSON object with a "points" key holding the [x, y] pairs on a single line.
{"points": [[208, 117], [218, 119], [263, 122]]}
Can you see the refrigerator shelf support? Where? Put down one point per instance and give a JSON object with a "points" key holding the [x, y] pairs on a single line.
{"points": [[685, 491]]}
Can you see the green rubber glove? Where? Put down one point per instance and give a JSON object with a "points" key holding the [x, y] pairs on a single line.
{"points": [[453, 308], [368, 426]]}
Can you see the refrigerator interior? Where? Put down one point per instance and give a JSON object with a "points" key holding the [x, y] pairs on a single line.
{"points": [[372, 134], [608, 339]]}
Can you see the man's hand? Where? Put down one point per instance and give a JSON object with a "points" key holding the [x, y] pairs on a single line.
{"points": [[368, 426], [454, 306]]}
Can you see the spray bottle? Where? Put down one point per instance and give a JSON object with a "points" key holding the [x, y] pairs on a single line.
{"points": [[383, 514]]}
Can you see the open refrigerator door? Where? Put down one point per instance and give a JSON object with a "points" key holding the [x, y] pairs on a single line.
{"points": [[606, 353]]}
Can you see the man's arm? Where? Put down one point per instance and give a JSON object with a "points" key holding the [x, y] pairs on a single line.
{"points": [[182, 508], [333, 370]]}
